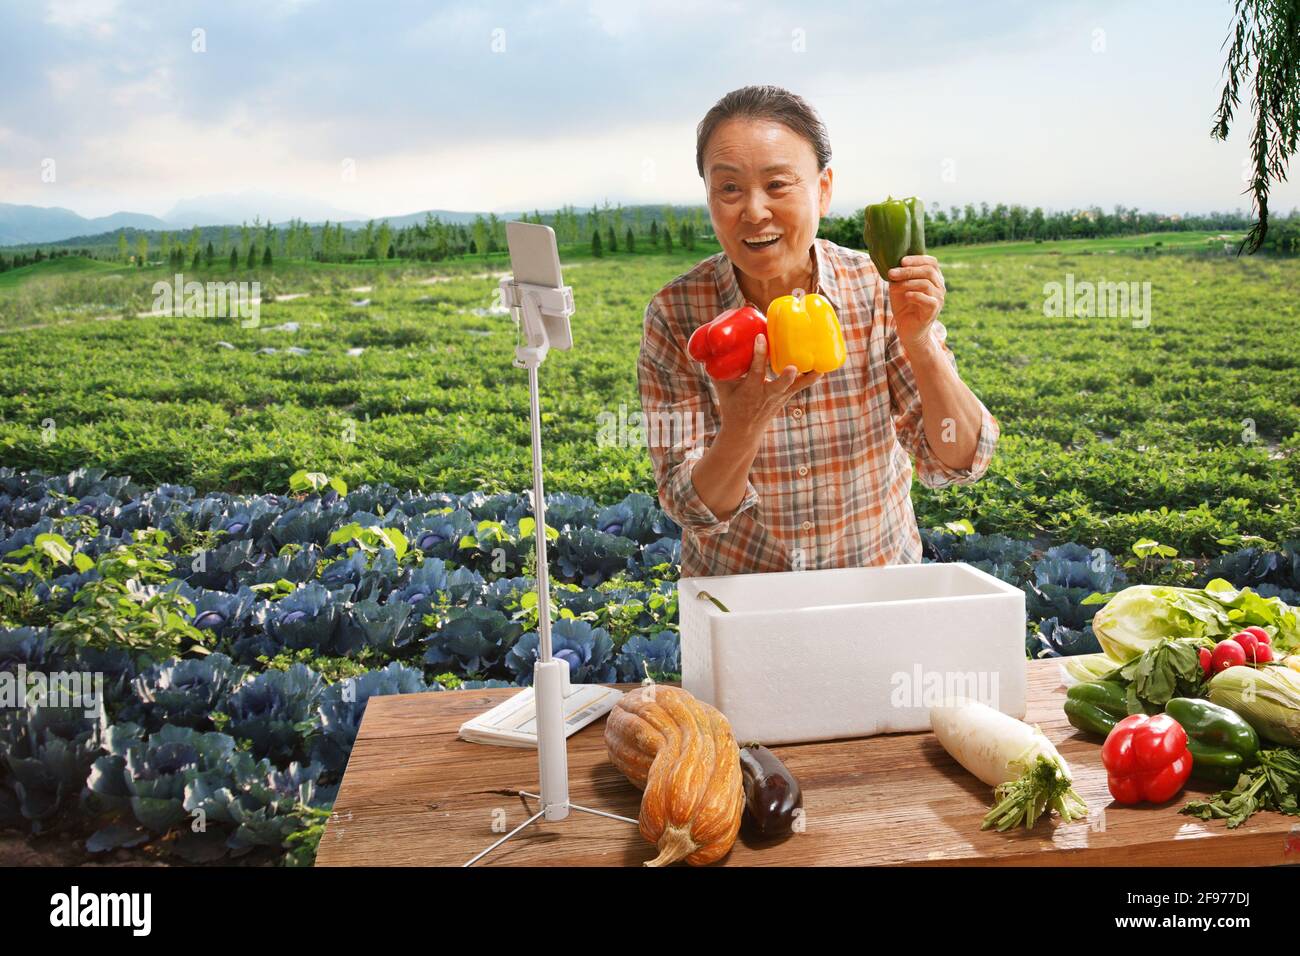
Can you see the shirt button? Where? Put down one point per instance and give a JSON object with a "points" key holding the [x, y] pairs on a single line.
{"points": [[807, 525], [803, 470], [798, 413]]}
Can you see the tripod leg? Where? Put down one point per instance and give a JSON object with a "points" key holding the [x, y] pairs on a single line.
{"points": [[602, 813], [574, 806], [480, 856]]}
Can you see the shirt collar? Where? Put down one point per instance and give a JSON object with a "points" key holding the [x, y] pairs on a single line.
{"points": [[826, 272], [731, 297]]}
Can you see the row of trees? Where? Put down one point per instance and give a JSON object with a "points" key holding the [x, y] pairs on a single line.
{"points": [[251, 245], [1015, 222], [434, 239], [685, 237], [572, 226], [1283, 236], [20, 259], [614, 229], [178, 257], [329, 242], [427, 239]]}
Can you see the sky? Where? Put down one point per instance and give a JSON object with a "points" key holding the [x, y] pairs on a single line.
{"points": [[385, 109]]}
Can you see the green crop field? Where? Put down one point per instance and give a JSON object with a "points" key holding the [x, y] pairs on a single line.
{"points": [[1185, 431]]}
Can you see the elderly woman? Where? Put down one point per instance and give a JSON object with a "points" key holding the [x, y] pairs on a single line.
{"points": [[800, 471]]}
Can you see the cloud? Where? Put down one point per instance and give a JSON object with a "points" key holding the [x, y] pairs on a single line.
{"points": [[144, 92], [576, 97], [81, 14], [72, 80], [616, 17]]}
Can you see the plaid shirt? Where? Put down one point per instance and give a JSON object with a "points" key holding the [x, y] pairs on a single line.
{"points": [[830, 486]]}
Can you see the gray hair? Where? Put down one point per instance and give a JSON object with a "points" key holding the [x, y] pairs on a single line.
{"points": [[766, 103]]}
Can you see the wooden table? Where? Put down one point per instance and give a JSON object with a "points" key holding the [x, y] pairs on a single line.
{"points": [[414, 794]]}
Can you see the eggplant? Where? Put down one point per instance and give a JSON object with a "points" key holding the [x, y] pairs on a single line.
{"points": [[772, 794]]}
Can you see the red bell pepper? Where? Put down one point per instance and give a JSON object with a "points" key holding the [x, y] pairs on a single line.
{"points": [[1146, 758], [726, 345]]}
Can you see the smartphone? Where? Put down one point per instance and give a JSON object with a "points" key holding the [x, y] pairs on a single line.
{"points": [[535, 259]]}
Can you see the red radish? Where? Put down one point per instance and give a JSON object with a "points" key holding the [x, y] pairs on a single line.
{"points": [[1261, 635], [1206, 657], [1263, 654], [1248, 644], [1228, 654]]}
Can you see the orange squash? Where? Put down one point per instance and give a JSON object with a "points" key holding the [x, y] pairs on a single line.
{"points": [[682, 754]]}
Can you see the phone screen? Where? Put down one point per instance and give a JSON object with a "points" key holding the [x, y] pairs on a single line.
{"points": [[534, 256]]}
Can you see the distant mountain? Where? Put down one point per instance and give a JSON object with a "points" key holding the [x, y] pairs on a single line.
{"points": [[230, 209], [27, 224], [227, 209], [31, 225], [445, 215]]}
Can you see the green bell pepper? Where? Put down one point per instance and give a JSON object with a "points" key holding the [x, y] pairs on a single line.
{"points": [[893, 229], [1223, 745], [1096, 706]]}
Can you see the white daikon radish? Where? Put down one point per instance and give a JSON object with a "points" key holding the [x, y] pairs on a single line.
{"points": [[1028, 775]]}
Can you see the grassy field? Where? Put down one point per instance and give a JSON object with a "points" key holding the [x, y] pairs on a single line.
{"points": [[1163, 242], [1184, 431], [51, 268]]}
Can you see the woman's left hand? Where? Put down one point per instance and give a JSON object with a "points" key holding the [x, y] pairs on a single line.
{"points": [[916, 293]]}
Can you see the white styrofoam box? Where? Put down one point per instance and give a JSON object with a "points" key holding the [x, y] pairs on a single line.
{"points": [[850, 652]]}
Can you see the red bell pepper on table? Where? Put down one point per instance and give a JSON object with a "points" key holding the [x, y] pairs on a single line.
{"points": [[1146, 759], [726, 345]]}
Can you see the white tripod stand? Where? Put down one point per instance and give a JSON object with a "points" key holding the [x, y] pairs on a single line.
{"points": [[543, 312]]}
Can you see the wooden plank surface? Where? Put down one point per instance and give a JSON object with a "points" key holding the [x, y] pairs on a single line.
{"points": [[415, 795]]}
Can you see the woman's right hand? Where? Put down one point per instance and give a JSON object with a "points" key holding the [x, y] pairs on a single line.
{"points": [[746, 407], [747, 404]]}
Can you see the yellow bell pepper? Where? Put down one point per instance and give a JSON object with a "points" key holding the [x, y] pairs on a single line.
{"points": [[804, 332]]}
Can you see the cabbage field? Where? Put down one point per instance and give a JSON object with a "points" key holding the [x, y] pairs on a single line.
{"points": [[249, 531]]}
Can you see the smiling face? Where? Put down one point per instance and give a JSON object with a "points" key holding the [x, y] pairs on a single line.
{"points": [[762, 183]]}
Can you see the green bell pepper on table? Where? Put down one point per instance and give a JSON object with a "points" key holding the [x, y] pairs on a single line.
{"points": [[893, 229], [1096, 706], [1223, 745]]}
